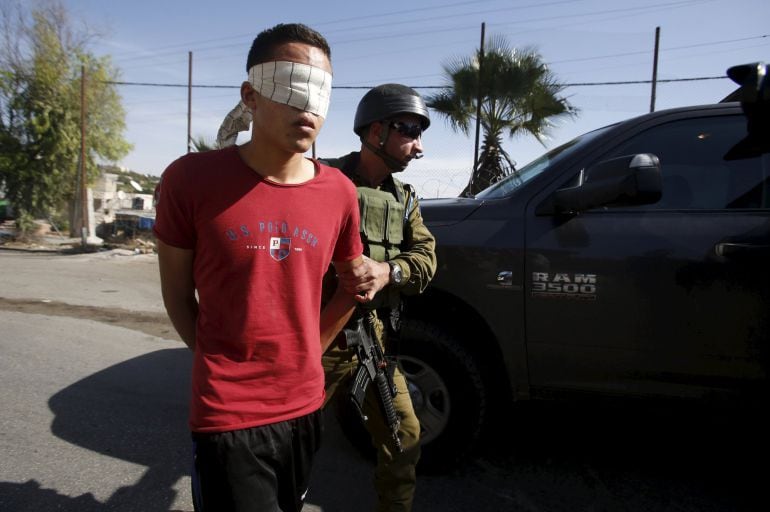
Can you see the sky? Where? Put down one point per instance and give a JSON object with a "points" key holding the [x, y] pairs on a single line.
{"points": [[582, 41]]}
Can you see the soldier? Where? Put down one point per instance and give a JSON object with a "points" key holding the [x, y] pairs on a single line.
{"points": [[401, 259]]}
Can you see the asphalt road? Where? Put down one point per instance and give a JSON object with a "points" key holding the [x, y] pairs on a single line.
{"points": [[93, 392]]}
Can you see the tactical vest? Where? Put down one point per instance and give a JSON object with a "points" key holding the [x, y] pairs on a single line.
{"points": [[382, 223]]}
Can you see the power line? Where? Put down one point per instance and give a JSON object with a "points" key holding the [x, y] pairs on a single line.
{"points": [[349, 87], [199, 45], [422, 29], [178, 60], [629, 82], [644, 52], [155, 84]]}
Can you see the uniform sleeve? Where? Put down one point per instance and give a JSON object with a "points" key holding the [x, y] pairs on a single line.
{"points": [[174, 223], [418, 258]]}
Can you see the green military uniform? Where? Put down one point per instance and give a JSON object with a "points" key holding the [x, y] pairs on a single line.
{"points": [[389, 233]]}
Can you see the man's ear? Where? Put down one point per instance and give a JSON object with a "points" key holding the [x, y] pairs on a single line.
{"points": [[248, 95], [373, 132]]}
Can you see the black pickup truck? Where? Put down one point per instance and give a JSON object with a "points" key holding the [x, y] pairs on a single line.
{"points": [[631, 261]]}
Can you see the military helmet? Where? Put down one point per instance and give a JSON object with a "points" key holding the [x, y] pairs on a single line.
{"points": [[387, 101]]}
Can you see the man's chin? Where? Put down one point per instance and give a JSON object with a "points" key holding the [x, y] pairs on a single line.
{"points": [[302, 146]]}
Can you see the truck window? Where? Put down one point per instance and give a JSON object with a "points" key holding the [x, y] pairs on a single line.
{"points": [[698, 172], [507, 185]]}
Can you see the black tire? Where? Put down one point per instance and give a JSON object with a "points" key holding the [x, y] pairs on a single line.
{"points": [[448, 396]]}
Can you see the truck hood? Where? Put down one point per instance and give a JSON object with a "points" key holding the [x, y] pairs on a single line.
{"points": [[441, 212]]}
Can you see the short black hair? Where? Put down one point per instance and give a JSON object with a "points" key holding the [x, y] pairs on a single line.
{"points": [[263, 47]]}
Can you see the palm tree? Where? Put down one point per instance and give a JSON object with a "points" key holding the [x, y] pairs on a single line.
{"points": [[200, 144], [519, 95]]}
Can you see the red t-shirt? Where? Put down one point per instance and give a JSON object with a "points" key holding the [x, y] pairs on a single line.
{"points": [[261, 250]]}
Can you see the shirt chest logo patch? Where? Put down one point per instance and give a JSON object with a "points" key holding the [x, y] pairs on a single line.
{"points": [[280, 247]]}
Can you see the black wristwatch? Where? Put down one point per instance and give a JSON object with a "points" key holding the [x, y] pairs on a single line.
{"points": [[396, 274]]}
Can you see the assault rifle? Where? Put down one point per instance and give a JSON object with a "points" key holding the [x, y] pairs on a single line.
{"points": [[372, 367]]}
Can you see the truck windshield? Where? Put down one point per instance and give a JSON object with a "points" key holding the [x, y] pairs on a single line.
{"points": [[510, 183]]}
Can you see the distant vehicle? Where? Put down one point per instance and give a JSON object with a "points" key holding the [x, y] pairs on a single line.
{"points": [[631, 261], [5, 209]]}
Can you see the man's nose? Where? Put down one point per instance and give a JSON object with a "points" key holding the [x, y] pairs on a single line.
{"points": [[417, 148]]}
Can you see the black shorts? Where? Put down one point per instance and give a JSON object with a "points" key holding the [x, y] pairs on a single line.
{"points": [[264, 468]]}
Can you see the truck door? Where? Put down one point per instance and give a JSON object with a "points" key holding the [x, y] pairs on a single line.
{"points": [[670, 298]]}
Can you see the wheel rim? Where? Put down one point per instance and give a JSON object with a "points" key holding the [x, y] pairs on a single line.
{"points": [[430, 397]]}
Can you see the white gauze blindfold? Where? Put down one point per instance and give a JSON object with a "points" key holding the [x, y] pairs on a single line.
{"points": [[301, 86]]}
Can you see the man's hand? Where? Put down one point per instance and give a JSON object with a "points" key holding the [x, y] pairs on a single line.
{"points": [[366, 279]]}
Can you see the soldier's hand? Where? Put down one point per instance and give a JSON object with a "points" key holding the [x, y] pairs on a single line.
{"points": [[365, 280]]}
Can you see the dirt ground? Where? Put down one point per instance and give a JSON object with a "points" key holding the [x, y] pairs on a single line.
{"points": [[54, 242], [155, 324]]}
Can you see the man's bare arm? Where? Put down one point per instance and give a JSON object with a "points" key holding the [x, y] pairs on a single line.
{"points": [[335, 315], [340, 307], [178, 289]]}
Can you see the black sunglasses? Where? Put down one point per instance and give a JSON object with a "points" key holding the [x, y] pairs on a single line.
{"points": [[413, 131]]}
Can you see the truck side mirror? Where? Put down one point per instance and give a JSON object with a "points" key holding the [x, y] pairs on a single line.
{"points": [[754, 82], [624, 181], [754, 95]]}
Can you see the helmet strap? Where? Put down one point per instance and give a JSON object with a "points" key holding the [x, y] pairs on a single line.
{"points": [[393, 163], [384, 133]]}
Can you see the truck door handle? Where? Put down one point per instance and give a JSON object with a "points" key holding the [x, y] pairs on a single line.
{"points": [[728, 249], [505, 278]]}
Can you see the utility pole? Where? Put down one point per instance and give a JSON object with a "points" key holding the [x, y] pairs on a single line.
{"points": [[479, 98], [655, 69], [83, 180], [189, 101]]}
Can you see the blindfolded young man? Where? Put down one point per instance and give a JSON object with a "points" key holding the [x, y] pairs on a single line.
{"points": [[245, 234]]}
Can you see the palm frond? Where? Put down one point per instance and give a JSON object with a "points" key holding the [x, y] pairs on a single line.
{"points": [[519, 95]]}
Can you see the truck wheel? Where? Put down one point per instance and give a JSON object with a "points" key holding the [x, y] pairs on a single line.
{"points": [[447, 393]]}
